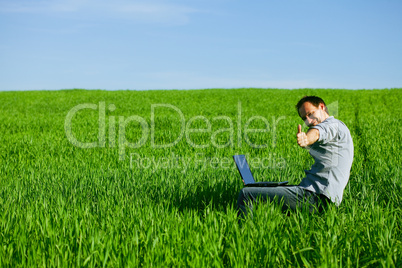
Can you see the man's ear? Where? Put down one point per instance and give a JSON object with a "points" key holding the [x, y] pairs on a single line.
{"points": [[323, 107]]}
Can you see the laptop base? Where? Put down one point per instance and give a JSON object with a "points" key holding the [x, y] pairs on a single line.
{"points": [[266, 184]]}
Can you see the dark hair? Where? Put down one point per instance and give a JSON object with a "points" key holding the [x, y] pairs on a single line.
{"points": [[314, 100]]}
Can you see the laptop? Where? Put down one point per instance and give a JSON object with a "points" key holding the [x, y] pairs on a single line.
{"points": [[247, 176]]}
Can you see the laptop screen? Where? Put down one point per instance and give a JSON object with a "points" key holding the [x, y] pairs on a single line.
{"points": [[244, 169]]}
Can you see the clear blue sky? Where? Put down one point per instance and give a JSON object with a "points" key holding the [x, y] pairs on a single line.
{"points": [[173, 44]]}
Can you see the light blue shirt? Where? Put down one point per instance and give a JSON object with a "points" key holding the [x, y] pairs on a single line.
{"points": [[333, 156]]}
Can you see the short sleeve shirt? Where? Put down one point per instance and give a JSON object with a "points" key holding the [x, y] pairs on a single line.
{"points": [[333, 156]]}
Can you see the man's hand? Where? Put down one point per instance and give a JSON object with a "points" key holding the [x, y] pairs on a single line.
{"points": [[307, 139], [301, 137]]}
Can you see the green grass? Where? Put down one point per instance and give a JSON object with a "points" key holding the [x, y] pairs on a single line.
{"points": [[62, 205]]}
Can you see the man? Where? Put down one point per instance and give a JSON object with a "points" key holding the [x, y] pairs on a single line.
{"points": [[330, 144]]}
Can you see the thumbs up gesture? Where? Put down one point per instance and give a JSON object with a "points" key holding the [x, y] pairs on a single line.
{"points": [[301, 137]]}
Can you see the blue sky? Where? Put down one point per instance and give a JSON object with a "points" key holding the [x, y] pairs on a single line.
{"points": [[173, 44]]}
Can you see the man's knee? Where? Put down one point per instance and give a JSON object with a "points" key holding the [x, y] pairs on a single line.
{"points": [[242, 197]]}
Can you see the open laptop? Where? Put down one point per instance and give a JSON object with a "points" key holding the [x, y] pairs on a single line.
{"points": [[247, 176]]}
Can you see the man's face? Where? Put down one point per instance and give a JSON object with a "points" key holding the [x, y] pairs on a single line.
{"points": [[312, 115]]}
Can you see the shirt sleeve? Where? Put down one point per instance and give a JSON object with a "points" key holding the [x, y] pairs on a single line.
{"points": [[328, 131]]}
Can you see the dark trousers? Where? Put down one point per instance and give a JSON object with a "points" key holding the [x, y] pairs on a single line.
{"points": [[291, 197]]}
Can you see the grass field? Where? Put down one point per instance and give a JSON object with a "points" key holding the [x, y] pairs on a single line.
{"points": [[146, 178]]}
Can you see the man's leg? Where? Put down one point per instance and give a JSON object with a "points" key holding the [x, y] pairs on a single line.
{"points": [[291, 196]]}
